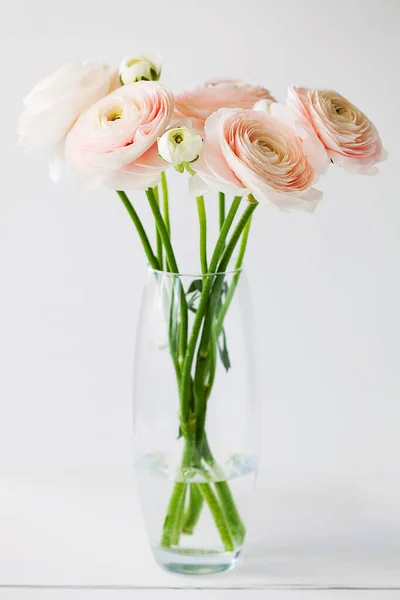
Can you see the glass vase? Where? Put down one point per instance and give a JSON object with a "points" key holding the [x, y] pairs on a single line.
{"points": [[195, 419]]}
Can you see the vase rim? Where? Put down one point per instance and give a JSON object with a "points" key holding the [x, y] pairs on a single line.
{"points": [[196, 274]]}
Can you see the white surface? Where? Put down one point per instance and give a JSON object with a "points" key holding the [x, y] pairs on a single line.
{"points": [[326, 287], [195, 595], [86, 530], [151, 594]]}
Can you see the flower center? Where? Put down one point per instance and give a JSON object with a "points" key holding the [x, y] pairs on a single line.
{"points": [[111, 114], [266, 147], [178, 138]]}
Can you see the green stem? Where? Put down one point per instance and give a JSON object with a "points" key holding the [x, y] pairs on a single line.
{"points": [[172, 330], [159, 245], [205, 341], [170, 534], [232, 516], [235, 279], [221, 200], [180, 518], [225, 515], [192, 516], [187, 420], [235, 524], [164, 187], [153, 260], [217, 329], [173, 519], [204, 357], [170, 256], [191, 347], [236, 235], [162, 229], [205, 367], [211, 368], [218, 516], [201, 209]]}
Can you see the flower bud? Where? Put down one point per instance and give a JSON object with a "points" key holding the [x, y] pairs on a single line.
{"points": [[138, 69], [263, 105], [180, 145]]}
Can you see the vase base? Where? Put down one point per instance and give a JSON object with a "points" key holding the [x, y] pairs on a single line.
{"points": [[188, 561]]}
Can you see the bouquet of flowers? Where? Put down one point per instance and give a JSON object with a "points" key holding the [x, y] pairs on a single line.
{"points": [[124, 130]]}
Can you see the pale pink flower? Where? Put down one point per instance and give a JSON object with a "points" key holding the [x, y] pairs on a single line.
{"points": [[312, 145], [200, 102], [351, 140], [55, 103], [115, 141], [248, 151]]}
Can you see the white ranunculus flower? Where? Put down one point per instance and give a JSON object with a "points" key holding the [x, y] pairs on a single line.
{"points": [[264, 105], [54, 104], [180, 145], [138, 69]]}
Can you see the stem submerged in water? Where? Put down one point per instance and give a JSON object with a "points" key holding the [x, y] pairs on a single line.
{"points": [[218, 516], [192, 516]]}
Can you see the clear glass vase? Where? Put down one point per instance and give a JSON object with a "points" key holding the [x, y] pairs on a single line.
{"points": [[195, 418]]}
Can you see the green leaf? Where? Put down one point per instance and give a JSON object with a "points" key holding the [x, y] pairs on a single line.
{"points": [[195, 286], [192, 300], [223, 351]]}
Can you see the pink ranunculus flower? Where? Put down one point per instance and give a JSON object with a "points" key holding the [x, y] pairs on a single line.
{"points": [[248, 151], [115, 141], [200, 102], [351, 140], [55, 103], [301, 127]]}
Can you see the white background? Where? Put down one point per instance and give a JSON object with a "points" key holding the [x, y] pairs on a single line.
{"points": [[326, 287]]}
